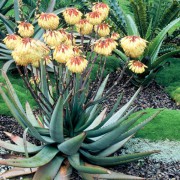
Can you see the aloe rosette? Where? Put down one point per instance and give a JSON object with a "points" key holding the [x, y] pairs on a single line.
{"points": [[74, 130]]}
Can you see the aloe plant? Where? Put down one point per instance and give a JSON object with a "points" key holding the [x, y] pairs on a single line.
{"points": [[74, 130]]}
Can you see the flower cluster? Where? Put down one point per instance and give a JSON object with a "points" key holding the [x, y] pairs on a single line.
{"points": [[61, 43], [134, 47]]}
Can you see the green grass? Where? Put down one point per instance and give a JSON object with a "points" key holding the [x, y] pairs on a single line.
{"points": [[22, 92], [162, 127], [169, 78]]}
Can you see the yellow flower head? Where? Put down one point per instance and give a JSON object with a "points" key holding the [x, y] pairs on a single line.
{"points": [[72, 16], [137, 66], [112, 43], [62, 53], [70, 40], [94, 17], [103, 8], [77, 64], [11, 41], [29, 51], [77, 51], [84, 27], [54, 38], [115, 36], [102, 29], [103, 47], [25, 29], [133, 46], [48, 21]]}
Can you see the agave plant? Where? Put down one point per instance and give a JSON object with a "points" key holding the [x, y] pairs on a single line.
{"points": [[73, 129]]}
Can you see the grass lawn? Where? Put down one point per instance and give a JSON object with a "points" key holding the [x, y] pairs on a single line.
{"points": [[162, 127]]}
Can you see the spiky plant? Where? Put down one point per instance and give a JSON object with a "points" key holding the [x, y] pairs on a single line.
{"points": [[74, 131]]}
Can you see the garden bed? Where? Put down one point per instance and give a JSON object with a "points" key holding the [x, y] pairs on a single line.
{"points": [[152, 97]]}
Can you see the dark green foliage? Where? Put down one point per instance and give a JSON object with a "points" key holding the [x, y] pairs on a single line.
{"points": [[139, 8], [117, 16], [170, 79]]}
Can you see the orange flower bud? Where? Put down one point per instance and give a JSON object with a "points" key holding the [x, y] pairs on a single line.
{"points": [[103, 8], [137, 66], [77, 64], [72, 16], [62, 53], [105, 46], [48, 21], [133, 46], [54, 38], [102, 29], [70, 40], [84, 27], [94, 17], [11, 41], [25, 29], [115, 36]]}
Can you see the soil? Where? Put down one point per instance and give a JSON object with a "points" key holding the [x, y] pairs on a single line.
{"points": [[154, 97]]}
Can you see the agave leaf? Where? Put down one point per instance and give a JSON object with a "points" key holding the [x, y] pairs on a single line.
{"points": [[131, 26], [51, 6], [31, 116], [12, 92], [43, 131], [18, 140], [155, 45], [7, 65], [98, 120], [64, 172], [101, 88], [20, 117], [97, 133], [3, 46], [98, 96], [38, 34], [58, 11], [72, 145], [56, 123], [118, 176], [16, 10], [49, 170], [110, 113], [44, 86], [138, 127], [123, 110], [115, 160], [149, 30], [18, 148], [17, 172], [9, 24], [41, 158], [163, 58], [3, 3], [112, 149], [109, 138], [87, 169]]}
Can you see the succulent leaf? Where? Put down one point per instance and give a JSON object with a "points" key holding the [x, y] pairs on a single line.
{"points": [[72, 145], [41, 158], [56, 123], [49, 170]]}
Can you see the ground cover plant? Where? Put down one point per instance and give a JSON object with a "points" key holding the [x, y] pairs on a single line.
{"points": [[164, 123], [170, 79], [74, 131]]}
